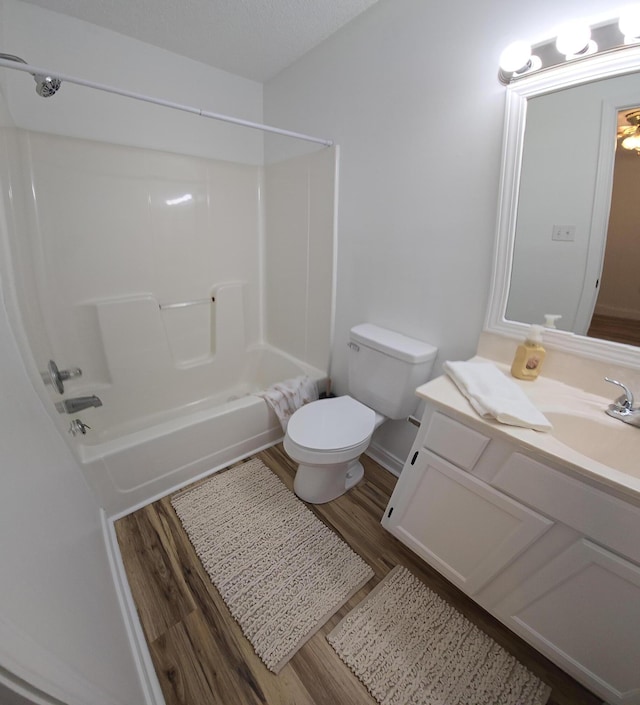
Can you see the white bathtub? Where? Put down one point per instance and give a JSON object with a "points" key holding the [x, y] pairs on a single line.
{"points": [[144, 458]]}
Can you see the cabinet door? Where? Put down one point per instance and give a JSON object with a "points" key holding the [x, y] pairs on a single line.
{"points": [[462, 527], [583, 611]]}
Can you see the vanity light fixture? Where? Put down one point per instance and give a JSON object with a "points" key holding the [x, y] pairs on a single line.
{"points": [[629, 24], [574, 42], [517, 60]]}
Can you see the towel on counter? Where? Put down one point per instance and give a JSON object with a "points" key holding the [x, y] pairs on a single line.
{"points": [[493, 395], [288, 396]]}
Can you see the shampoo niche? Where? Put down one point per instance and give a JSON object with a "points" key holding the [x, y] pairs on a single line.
{"points": [[529, 355]]}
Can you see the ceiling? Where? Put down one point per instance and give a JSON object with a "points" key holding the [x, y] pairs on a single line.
{"points": [[252, 38]]}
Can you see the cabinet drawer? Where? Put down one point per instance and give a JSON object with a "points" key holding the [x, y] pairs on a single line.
{"points": [[607, 520], [454, 442]]}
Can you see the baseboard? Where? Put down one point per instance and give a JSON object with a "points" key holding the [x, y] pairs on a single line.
{"points": [[387, 460], [139, 649]]}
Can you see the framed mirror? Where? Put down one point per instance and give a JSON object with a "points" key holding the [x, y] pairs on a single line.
{"points": [[553, 208]]}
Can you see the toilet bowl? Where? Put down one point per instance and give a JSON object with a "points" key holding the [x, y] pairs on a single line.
{"points": [[326, 439]]}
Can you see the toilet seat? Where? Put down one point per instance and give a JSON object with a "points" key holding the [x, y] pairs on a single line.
{"points": [[326, 439], [331, 425]]}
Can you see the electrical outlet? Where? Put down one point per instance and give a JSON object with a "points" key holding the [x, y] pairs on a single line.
{"points": [[564, 233]]}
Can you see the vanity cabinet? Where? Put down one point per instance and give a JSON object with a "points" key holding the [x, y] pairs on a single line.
{"points": [[440, 499], [555, 558], [582, 610]]}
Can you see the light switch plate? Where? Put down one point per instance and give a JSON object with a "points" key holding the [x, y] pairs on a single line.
{"points": [[564, 233]]}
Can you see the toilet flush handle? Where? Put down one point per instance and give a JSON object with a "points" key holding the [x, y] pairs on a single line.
{"points": [[354, 346]]}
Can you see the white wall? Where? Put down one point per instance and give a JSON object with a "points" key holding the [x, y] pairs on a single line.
{"points": [[409, 91]]}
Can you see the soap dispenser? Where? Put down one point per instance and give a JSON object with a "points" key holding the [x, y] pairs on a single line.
{"points": [[550, 319], [529, 355]]}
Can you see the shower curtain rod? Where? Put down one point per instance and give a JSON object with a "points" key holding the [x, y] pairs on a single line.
{"points": [[28, 68]]}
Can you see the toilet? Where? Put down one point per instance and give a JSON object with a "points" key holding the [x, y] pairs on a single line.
{"points": [[327, 437]]}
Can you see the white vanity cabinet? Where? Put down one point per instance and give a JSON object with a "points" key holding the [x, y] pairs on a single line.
{"points": [[553, 557], [440, 499]]}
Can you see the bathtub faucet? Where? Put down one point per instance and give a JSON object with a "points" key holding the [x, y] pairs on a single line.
{"points": [[72, 406]]}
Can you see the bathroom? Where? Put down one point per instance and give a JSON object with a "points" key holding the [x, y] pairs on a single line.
{"points": [[410, 94]]}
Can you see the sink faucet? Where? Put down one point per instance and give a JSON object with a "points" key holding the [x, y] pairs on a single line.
{"points": [[72, 406], [622, 408]]}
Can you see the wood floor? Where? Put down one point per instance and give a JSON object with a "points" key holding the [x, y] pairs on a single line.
{"points": [[202, 658], [619, 330]]}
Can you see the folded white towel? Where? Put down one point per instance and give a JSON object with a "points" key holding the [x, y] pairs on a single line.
{"points": [[288, 396], [493, 395]]}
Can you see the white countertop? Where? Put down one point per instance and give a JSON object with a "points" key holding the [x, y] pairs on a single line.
{"points": [[551, 396]]}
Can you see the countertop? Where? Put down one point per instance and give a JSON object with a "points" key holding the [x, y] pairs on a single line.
{"points": [[551, 396]]}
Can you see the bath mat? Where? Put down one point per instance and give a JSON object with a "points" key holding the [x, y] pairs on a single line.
{"points": [[407, 645], [279, 569]]}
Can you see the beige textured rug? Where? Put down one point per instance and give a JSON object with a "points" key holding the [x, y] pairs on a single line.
{"points": [[407, 645], [280, 570]]}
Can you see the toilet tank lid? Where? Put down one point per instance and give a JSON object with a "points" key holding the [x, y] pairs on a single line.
{"points": [[394, 344]]}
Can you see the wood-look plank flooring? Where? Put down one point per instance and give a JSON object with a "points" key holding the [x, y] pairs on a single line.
{"points": [[618, 330], [200, 654]]}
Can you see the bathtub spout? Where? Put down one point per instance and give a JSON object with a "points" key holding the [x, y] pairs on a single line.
{"points": [[72, 406]]}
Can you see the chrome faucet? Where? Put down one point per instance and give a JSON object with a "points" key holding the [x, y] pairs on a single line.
{"points": [[622, 408], [72, 406]]}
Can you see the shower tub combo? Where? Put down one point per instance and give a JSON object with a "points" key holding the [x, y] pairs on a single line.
{"points": [[180, 286], [178, 385], [146, 457]]}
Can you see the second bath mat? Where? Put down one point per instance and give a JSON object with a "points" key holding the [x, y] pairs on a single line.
{"points": [[407, 645]]}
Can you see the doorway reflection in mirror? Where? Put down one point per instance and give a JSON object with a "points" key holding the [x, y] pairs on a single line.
{"points": [[617, 311]]}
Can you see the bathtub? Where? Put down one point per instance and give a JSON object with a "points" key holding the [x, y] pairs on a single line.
{"points": [[141, 459]]}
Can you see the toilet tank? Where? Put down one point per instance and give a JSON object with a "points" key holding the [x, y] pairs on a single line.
{"points": [[386, 367]]}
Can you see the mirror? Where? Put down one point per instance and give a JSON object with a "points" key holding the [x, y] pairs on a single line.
{"points": [[559, 181], [555, 199]]}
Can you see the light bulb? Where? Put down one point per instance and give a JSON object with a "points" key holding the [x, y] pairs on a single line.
{"points": [[515, 57], [629, 24], [631, 142], [574, 39]]}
